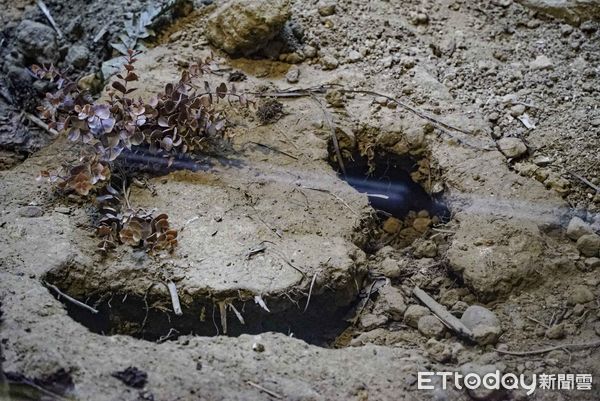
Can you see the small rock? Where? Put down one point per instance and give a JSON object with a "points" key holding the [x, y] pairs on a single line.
{"points": [[413, 314], [78, 56], [31, 211], [309, 51], [512, 147], [459, 308], [243, 27], [580, 294], [354, 56], [293, 75], [517, 110], [589, 245], [335, 98], [37, 41], [438, 351], [392, 225], [421, 224], [326, 9], [370, 321], [419, 19], [430, 326], [407, 62], [578, 310], [258, 347], [541, 63], [426, 249], [543, 161], [592, 263], [556, 332], [449, 297], [390, 268], [485, 335], [89, 82], [329, 62], [391, 302], [476, 315], [578, 228]]}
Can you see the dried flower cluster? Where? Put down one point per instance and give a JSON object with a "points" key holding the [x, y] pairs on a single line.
{"points": [[180, 120]]}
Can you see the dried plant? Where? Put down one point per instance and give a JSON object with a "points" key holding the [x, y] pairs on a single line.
{"points": [[269, 110], [182, 119]]}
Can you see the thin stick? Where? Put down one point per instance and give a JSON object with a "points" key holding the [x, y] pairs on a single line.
{"points": [[71, 299], [174, 298], [585, 181], [41, 124], [538, 322], [544, 350], [442, 313], [334, 139], [46, 12], [264, 390], [262, 145], [312, 284], [334, 195]]}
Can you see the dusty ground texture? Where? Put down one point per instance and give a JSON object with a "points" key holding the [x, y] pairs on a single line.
{"points": [[523, 89]]}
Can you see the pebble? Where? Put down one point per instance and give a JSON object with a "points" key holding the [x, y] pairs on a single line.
{"points": [[556, 332], [354, 56], [541, 63], [370, 321], [309, 51], [389, 268], [592, 263], [391, 302], [580, 294], [293, 75], [31, 211], [512, 147], [478, 315], [326, 9], [426, 249], [78, 56], [438, 351], [329, 62], [589, 245], [430, 326], [485, 335], [421, 224], [413, 313], [578, 228], [517, 110], [392, 225]]}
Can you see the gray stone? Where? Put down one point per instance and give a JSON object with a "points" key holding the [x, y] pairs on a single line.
{"points": [[578, 228], [476, 315], [391, 302], [589, 245], [512, 147], [430, 326], [580, 294], [556, 332], [390, 268], [37, 41], [31, 211], [592, 263], [572, 11], [370, 321], [78, 56], [329, 62], [485, 335], [438, 351], [243, 27], [426, 249], [293, 75], [541, 63], [354, 56], [413, 313], [326, 9]]}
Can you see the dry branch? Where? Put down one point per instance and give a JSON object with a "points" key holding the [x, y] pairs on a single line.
{"points": [[71, 299], [174, 298], [593, 344]]}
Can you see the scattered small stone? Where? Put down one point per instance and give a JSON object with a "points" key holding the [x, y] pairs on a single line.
{"points": [[541, 63], [419, 19], [354, 56], [309, 51], [485, 335], [459, 308], [426, 249], [438, 351], [483, 323], [293, 75], [421, 224], [326, 9], [589, 245], [391, 302], [512, 147], [89, 82], [329, 62], [78, 56], [543, 161], [556, 332], [578, 310], [390, 268], [580, 294], [132, 377], [592, 263], [258, 347], [430, 326], [517, 110], [449, 297], [578, 228], [370, 321], [413, 314], [37, 41], [31, 211], [335, 98], [392, 225]]}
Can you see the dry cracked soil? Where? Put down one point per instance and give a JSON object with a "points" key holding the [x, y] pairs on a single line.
{"points": [[448, 147]]}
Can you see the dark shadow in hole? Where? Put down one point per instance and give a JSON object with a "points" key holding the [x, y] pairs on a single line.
{"points": [[389, 186]]}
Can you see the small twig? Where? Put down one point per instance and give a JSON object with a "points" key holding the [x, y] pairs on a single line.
{"points": [[593, 344], [174, 298], [46, 12], [538, 322], [585, 181], [288, 139], [335, 196], [334, 139], [264, 390], [312, 284], [442, 313], [71, 299], [41, 124], [260, 248], [262, 145], [167, 336]]}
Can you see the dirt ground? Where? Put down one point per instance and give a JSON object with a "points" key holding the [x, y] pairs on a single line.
{"points": [[294, 280]]}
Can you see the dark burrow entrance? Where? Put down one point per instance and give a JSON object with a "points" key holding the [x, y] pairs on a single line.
{"points": [[388, 184], [151, 317]]}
